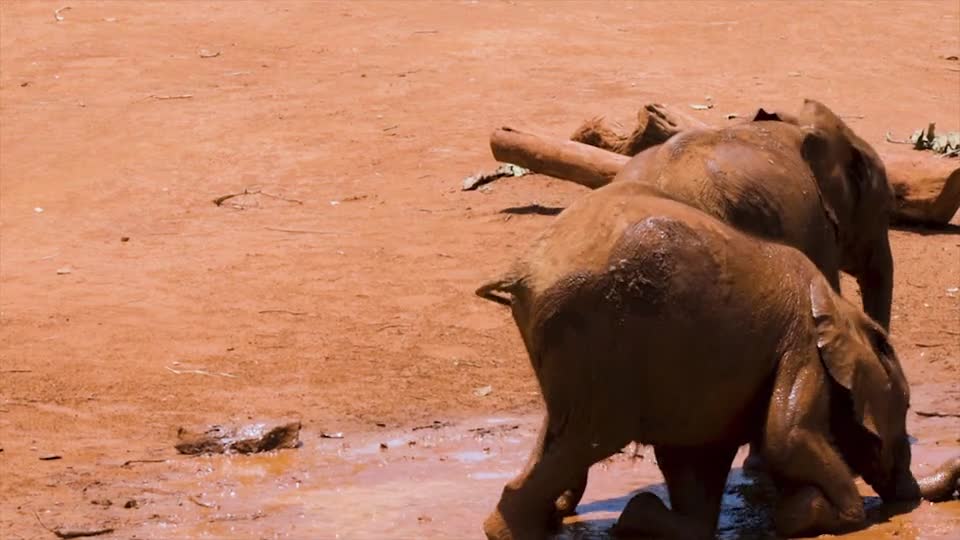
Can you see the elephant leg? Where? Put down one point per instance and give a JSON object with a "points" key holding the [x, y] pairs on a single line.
{"points": [[695, 478], [755, 463], [567, 502], [528, 504], [875, 277], [820, 492]]}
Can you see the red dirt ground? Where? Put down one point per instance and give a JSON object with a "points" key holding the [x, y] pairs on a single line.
{"points": [[368, 114]]}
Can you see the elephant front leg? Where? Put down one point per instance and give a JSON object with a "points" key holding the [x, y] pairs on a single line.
{"points": [[875, 278], [817, 491], [695, 478], [528, 506]]}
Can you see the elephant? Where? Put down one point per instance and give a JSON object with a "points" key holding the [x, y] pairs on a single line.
{"points": [[647, 320], [806, 180]]}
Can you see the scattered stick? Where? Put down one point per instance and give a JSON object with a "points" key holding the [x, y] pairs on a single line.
{"points": [[57, 15], [198, 502], [72, 533], [271, 195], [16, 371], [163, 97], [426, 32], [300, 231], [220, 200], [929, 345], [247, 191], [198, 372], [287, 311], [889, 138], [129, 462], [935, 414]]}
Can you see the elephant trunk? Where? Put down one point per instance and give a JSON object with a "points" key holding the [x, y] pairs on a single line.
{"points": [[942, 483], [935, 487]]}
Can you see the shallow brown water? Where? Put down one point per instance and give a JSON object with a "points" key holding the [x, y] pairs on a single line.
{"points": [[438, 483]]}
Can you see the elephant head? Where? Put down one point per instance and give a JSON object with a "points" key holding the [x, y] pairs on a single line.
{"points": [[856, 195], [870, 395]]}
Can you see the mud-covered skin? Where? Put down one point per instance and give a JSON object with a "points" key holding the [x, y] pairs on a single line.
{"points": [[943, 483], [806, 180], [647, 320]]}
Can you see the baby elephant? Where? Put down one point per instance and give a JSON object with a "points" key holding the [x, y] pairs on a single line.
{"points": [[647, 320]]}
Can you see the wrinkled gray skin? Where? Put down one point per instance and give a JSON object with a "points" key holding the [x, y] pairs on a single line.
{"points": [[647, 320], [806, 180]]}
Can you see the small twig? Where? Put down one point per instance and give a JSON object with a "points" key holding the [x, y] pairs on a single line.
{"points": [[129, 462], [426, 32], [855, 116], [929, 345], [390, 128], [198, 502], [299, 231], [387, 326], [890, 139], [935, 414], [176, 96], [67, 533], [287, 311], [198, 372], [271, 195], [57, 15], [220, 200], [16, 371]]}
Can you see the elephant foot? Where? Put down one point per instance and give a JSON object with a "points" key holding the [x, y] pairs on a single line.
{"points": [[647, 517], [755, 464], [499, 527], [807, 512]]}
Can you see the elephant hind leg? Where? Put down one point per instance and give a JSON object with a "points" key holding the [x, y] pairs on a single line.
{"points": [[695, 478], [528, 504]]}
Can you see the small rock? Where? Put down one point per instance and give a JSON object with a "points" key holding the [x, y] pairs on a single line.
{"points": [[424, 519], [64, 271], [124, 238], [132, 503], [383, 446], [483, 391], [325, 435], [102, 502], [38, 210], [793, 74]]}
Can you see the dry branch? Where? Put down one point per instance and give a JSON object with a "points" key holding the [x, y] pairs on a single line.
{"points": [[568, 160], [655, 124]]}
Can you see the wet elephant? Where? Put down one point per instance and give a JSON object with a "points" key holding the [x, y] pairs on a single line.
{"points": [[806, 180], [648, 320]]}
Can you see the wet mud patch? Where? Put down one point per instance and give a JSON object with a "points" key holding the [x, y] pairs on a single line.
{"points": [[436, 480]]}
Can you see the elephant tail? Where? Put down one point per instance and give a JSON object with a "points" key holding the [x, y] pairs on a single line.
{"points": [[502, 291]]}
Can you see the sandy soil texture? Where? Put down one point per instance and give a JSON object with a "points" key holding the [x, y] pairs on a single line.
{"points": [[338, 289]]}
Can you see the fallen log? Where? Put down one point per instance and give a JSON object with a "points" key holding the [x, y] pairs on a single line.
{"points": [[568, 160], [926, 188], [655, 124]]}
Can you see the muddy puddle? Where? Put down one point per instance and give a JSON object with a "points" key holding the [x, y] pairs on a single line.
{"points": [[437, 481]]}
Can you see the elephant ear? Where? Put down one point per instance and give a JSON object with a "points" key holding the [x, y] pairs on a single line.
{"points": [[854, 365], [774, 116]]}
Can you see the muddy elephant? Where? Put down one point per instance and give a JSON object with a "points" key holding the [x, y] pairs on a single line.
{"points": [[806, 180], [648, 320]]}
